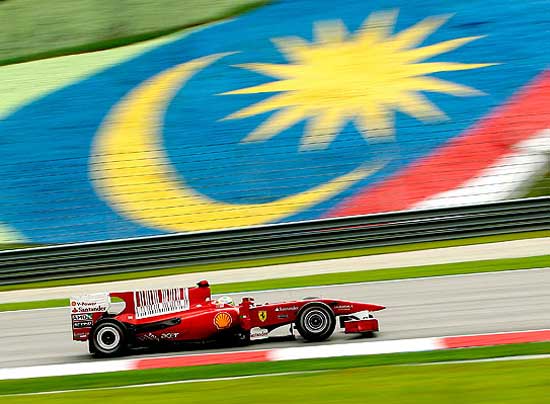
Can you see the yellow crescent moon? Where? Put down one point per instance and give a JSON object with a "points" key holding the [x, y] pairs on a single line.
{"points": [[130, 170]]}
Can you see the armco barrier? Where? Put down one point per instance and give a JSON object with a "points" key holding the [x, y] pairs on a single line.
{"points": [[118, 256]]}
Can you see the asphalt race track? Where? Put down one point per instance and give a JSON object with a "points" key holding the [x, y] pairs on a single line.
{"points": [[451, 305]]}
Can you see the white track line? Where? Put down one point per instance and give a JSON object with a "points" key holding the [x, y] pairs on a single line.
{"points": [[497, 359]]}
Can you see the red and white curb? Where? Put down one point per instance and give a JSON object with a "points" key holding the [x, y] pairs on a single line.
{"points": [[278, 354]]}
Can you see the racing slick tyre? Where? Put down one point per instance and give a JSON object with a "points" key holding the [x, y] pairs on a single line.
{"points": [[315, 322], [108, 338]]}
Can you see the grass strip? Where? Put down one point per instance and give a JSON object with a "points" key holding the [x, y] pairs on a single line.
{"points": [[540, 188], [216, 371], [15, 246], [278, 260], [85, 26], [458, 268], [504, 264], [40, 304]]}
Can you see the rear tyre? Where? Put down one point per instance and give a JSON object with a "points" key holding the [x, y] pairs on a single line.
{"points": [[315, 322], [108, 338]]}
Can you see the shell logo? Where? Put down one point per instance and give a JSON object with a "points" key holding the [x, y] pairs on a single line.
{"points": [[223, 320]]}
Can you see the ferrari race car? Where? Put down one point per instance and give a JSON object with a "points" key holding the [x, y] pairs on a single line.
{"points": [[190, 315]]}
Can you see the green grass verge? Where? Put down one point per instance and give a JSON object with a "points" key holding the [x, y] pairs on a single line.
{"points": [[39, 304], [540, 188], [388, 274], [343, 277], [275, 261], [357, 365], [32, 31], [14, 246]]}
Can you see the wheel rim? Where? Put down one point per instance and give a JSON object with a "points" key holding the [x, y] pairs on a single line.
{"points": [[315, 321], [108, 338]]}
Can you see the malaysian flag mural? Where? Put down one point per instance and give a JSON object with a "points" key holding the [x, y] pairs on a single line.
{"points": [[299, 110]]}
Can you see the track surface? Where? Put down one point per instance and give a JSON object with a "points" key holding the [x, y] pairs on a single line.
{"points": [[451, 305]]}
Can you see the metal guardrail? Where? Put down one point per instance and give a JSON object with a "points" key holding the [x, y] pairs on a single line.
{"points": [[119, 256]]}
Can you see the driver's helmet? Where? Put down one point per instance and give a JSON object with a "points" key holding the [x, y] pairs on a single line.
{"points": [[225, 300]]}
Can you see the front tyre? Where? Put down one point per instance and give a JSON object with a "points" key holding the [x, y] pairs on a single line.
{"points": [[315, 322], [108, 339]]}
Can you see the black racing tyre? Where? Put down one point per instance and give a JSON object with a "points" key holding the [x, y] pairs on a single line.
{"points": [[108, 338], [315, 322]]}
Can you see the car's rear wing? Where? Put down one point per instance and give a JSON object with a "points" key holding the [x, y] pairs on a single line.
{"points": [[85, 311], [138, 305]]}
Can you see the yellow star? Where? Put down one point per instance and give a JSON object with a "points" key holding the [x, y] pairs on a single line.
{"points": [[364, 78]]}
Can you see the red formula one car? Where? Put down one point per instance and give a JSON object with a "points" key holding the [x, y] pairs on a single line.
{"points": [[190, 315]]}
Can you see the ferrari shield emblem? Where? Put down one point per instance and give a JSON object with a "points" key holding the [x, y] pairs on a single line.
{"points": [[262, 315]]}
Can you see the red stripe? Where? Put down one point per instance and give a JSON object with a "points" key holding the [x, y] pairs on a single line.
{"points": [[264, 355], [198, 360], [495, 339], [462, 158]]}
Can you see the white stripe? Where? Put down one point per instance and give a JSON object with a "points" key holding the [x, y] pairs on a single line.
{"points": [[497, 359], [131, 386], [508, 175], [354, 349], [66, 369]]}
